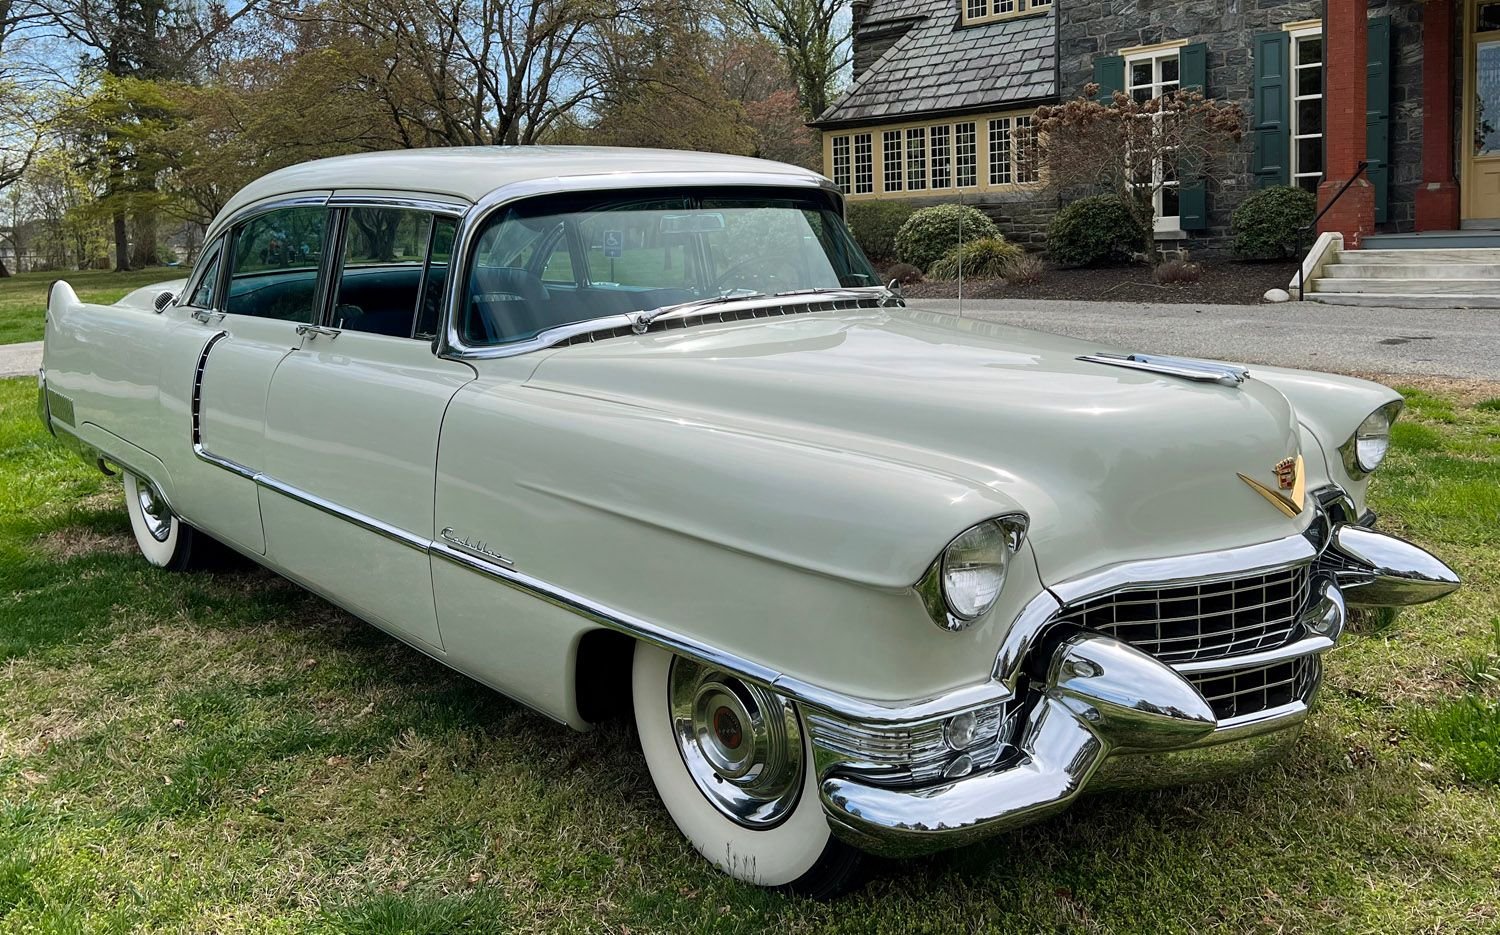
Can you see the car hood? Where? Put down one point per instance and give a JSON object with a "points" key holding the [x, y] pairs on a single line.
{"points": [[1111, 464]]}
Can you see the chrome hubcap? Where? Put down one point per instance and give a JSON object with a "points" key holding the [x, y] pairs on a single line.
{"points": [[742, 743], [154, 512]]}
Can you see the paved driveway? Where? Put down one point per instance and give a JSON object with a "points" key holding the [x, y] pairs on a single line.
{"points": [[1436, 342], [20, 359]]}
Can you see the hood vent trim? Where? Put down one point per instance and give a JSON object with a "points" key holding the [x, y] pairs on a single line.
{"points": [[1188, 368]]}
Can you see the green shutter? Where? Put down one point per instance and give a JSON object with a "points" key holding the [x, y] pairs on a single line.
{"points": [[1272, 98], [1109, 75], [1192, 191], [1378, 113]]}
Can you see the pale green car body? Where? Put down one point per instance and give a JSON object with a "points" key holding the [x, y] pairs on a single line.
{"points": [[764, 494]]}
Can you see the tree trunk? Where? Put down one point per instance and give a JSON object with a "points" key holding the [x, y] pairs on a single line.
{"points": [[4, 273], [122, 242], [145, 241]]}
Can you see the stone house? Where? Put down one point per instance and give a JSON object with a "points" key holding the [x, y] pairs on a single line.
{"points": [[943, 92]]}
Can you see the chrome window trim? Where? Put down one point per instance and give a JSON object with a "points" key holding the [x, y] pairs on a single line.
{"points": [[455, 208], [451, 344]]}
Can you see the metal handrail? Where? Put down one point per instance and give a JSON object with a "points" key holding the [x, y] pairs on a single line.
{"points": [[1358, 171]]}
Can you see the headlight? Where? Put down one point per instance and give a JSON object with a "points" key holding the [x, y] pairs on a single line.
{"points": [[965, 580], [1366, 448]]}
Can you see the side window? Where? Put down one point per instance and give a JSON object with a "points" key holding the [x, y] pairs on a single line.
{"points": [[274, 273], [380, 276], [439, 261], [208, 276]]}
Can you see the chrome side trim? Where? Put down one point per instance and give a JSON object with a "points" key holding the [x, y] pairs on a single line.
{"points": [[363, 520]]}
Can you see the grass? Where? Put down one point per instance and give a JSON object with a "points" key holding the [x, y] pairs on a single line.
{"points": [[23, 297], [225, 753]]}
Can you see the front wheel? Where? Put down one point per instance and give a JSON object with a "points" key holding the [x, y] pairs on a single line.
{"points": [[164, 540], [734, 767]]}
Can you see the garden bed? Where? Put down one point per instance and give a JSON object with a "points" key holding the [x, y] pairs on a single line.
{"points": [[1222, 282]]}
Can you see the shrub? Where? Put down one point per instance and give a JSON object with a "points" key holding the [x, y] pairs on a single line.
{"points": [[1093, 230], [931, 232], [903, 273], [1270, 223], [874, 225], [1177, 271], [1024, 270], [986, 258]]}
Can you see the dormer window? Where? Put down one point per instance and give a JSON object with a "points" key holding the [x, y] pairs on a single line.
{"points": [[984, 11]]}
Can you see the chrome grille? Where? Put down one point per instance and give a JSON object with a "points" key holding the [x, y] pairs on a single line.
{"points": [[1247, 691], [1207, 620]]}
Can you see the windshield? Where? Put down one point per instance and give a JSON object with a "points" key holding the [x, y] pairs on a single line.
{"points": [[554, 261]]}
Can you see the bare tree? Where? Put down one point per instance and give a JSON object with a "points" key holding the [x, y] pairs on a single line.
{"points": [[815, 47], [1132, 149], [474, 72], [20, 134]]}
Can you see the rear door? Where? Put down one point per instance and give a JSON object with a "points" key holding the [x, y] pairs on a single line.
{"points": [[272, 291], [352, 422]]}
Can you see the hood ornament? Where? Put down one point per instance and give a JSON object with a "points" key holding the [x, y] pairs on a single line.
{"points": [[1289, 476], [1189, 368]]}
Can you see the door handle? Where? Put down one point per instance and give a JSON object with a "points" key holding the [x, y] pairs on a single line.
{"points": [[316, 330]]}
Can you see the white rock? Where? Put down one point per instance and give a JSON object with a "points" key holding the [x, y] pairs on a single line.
{"points": [[1277, 295]]}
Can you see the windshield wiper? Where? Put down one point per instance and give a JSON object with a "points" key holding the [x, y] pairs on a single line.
{"points": [[643, 320]]}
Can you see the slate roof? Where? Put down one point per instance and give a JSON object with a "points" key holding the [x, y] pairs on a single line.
{"points": [[939, 65]]}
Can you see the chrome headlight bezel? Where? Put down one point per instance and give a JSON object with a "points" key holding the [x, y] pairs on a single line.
{"points": [[1375, 429], [954, 615]]}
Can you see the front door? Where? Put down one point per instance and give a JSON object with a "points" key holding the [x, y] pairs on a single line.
{"points": [[352, 422], [1481, 139]]}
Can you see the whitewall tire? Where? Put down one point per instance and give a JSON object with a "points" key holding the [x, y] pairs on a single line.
{"points": [[164, 540], [734, 768]]}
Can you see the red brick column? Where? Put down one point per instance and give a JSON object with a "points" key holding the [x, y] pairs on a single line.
{"points": [[1346, 47], [1437, 196]]}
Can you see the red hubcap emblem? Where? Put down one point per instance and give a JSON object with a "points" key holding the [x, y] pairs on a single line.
{"points": [[727, 728]]}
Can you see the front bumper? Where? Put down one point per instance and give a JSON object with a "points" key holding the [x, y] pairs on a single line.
{"points": [[1107, 715]]}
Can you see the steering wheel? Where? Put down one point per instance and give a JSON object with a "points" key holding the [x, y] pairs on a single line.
{"points": [[768, 275]]}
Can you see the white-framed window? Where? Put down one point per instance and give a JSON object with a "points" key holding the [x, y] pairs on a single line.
{"points": [[890, 142], [916, 159], [980, 152], [864, 164], [1027, 170], [965, 155], [1000, 161], [939, 153], [1149, 75], [841, 163], [1307, 108], [982, 11]]}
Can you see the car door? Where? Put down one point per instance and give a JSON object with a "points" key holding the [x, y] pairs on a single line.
{"points": [[352, 422], [270, 290]]}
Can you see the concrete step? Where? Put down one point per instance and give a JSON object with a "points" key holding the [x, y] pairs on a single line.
{"points": [[1404, 301], [1415, 256], [1350, 267], [1409, 286], [1433, 239]]}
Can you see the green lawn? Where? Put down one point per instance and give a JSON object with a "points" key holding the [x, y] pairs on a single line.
{"points": [[224, 753], [23, 297]]}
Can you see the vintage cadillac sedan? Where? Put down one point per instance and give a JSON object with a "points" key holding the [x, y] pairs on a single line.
{"points": [[614, 429]]}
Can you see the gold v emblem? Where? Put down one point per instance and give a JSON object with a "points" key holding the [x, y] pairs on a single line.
{"points": [[1289, 476]]}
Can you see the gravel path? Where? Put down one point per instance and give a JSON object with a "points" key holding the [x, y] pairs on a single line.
{"points": [[1439, 342], [17, 360]]}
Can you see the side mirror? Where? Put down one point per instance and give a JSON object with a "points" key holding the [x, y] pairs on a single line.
{"points": [[163, 299]]}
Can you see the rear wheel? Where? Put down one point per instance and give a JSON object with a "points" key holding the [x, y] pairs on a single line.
{"points": [[734, 767], [164, 540]]}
